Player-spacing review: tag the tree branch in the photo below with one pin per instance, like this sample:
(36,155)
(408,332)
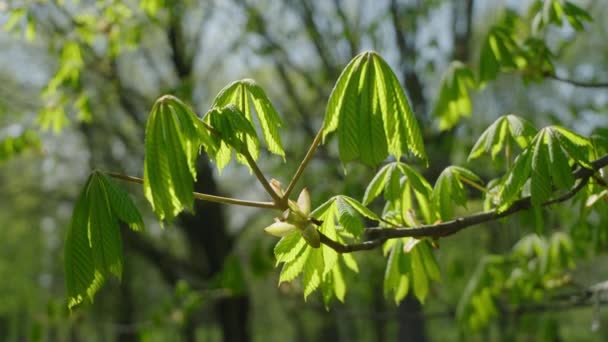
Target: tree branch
(378,234)
(576,83)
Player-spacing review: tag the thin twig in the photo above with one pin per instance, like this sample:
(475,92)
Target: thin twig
(380,234)
(303,164)
(201,196)
(580,84)
(278,201)
(260,176)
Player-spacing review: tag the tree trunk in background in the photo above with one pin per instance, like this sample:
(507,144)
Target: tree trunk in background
(126,330)
(209,245)
(411,321)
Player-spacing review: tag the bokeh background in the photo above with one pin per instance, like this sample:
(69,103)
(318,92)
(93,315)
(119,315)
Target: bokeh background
(77,81)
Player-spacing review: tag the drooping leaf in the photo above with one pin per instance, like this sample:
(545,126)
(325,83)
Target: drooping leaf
(172,142)
(293,268)
(242,94)
(454,100)
(123,206)
(494,138)
(313,271)
(371,113)
(289,247)
(547,163)
(375,187)
(499,52)
(449,190)
(93,246)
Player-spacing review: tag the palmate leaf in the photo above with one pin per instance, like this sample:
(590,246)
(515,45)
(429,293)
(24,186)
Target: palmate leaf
(371,113)
(173,138)
(93,247)
(320,266)
(495,138)
(410,263)
(547,162)
(399,182)
(499,52)
(449,190)
(243,94)
(454,100)
(233,131)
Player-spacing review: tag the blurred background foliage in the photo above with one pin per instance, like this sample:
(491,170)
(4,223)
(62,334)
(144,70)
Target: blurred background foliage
(78,79)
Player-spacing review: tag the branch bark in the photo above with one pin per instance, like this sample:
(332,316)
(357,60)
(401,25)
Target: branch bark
(379,235)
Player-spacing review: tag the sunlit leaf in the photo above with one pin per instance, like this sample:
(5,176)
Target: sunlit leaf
(454,100)
(371,113)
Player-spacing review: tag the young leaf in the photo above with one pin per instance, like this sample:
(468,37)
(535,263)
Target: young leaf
(293,268)
(494,138)
(420,280)
(172,137)
(454,101)
(449,190)
(377,184)
(80,274)
(241,94)
(122,205)
(93,246)
(313,271)
(371,113)
(288,248)
(348,218)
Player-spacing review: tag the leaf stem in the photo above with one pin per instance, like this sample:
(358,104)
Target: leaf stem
(473,184)
(201,196)
(303,164)
(278,201)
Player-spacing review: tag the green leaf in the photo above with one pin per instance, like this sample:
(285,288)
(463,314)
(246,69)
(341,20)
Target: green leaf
(499,52)
(576,16)
(371,113)
(288,248)
(122,205)
(80,274)
(428,258)
(172,142)
(360,208)
(293,268)
(13,146)
(393,279)
(449,190)
(348,218)
(93,246)
(313,271)
(241,94)
(420,280)
(377,184)
(454,100)
(494,138)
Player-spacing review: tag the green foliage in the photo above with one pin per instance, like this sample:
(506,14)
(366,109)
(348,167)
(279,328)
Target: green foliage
(449,190)
(410,264)
(371,113)
(174,136)
(499,52)
(547,163)
(400,184)
(555,11)
(243,94)
(506,131)
(320,266)
(535,266)
(14,146)
(454,100)
(93,246)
